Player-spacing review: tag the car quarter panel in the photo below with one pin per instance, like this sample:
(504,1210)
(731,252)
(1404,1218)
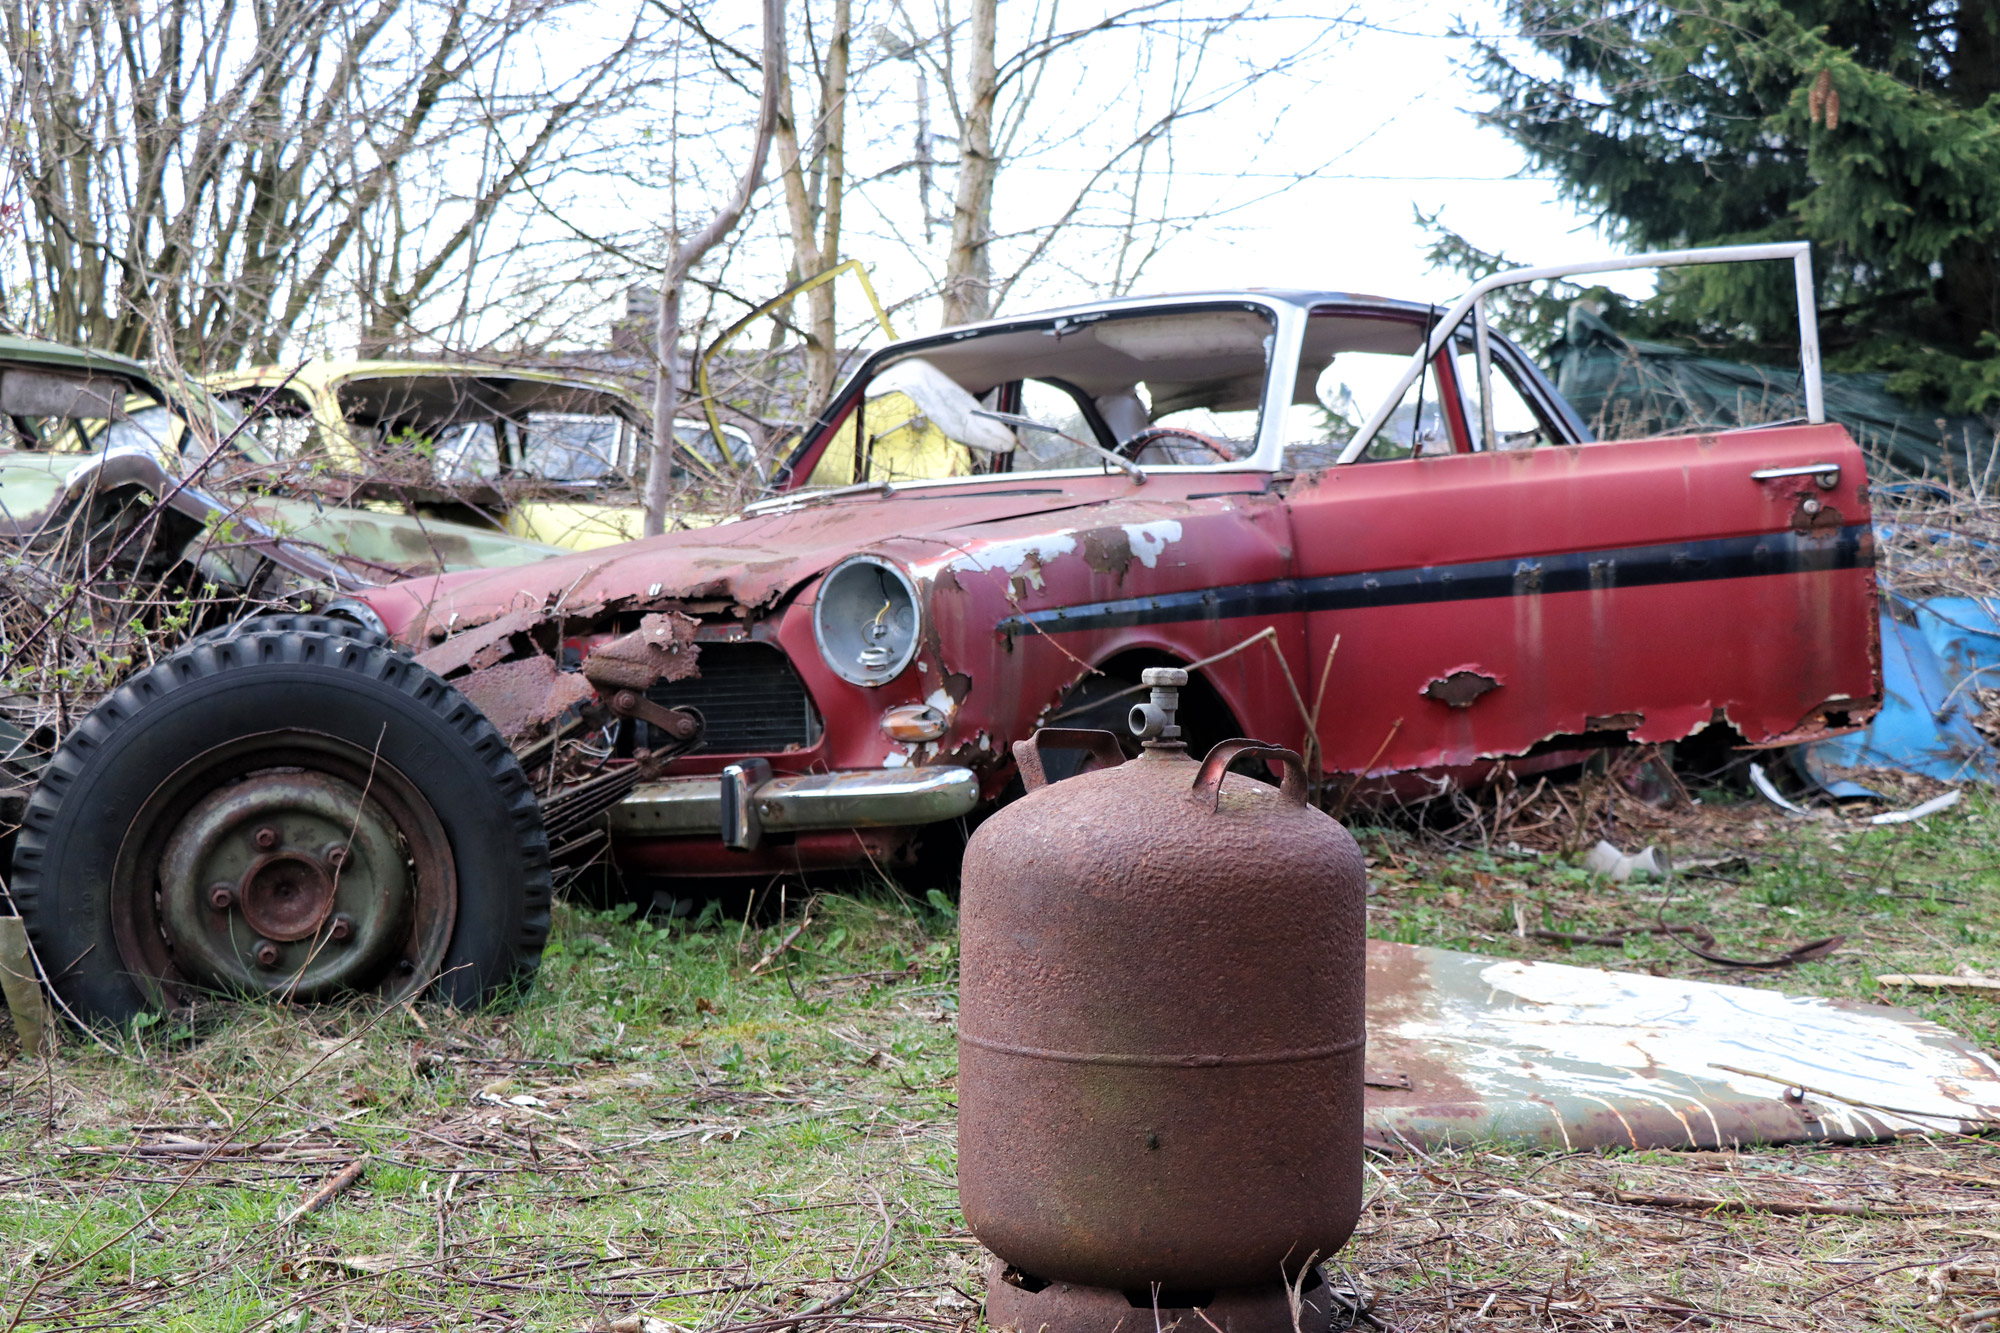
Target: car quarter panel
(1486,603)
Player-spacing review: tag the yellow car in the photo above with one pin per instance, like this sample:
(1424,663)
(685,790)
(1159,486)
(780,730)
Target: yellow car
(540,455)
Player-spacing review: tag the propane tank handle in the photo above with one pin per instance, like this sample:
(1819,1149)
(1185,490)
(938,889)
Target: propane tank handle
(1207,788)
(1028,753)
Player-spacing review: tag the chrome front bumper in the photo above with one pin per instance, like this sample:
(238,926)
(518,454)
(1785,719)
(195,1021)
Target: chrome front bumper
(746,802)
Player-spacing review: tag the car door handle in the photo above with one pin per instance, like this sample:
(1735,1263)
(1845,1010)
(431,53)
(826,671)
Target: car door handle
(1827,474)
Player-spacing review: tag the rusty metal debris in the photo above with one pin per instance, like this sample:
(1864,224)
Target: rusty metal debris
(484,644)
(518,697)
(1160,1030)
(661,649)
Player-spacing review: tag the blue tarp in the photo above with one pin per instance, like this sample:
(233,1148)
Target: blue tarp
(1935,653)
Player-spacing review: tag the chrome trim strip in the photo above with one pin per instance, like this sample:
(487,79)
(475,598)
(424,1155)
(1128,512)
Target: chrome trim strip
(866,798)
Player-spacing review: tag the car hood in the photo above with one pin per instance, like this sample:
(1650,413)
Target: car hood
(751,561)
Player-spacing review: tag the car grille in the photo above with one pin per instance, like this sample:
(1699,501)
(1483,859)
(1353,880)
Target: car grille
(750,698)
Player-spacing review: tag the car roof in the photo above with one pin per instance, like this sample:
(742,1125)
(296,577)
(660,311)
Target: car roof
(1302,297)
(36,351)
(322,371)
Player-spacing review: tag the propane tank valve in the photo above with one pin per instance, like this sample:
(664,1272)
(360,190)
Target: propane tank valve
(1153,721)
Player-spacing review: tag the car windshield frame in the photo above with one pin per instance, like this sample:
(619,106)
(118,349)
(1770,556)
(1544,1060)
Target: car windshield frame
(1280,369)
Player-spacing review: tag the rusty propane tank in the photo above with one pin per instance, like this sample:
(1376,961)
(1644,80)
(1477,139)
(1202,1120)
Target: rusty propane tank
(1160,1021)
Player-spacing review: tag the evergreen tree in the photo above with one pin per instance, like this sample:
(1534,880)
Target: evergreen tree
(1869,127)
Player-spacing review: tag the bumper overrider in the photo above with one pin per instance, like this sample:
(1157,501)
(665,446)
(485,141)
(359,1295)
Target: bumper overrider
(746,802)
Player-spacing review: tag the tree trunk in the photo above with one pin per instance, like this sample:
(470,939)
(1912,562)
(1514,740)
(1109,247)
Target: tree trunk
(968,273)
(813,201)
(667,386)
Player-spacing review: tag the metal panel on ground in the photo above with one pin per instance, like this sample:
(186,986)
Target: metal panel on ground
(1544,1055)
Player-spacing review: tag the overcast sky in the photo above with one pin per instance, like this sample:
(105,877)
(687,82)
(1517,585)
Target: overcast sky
(1381,113)
(1385,113)
(1402,109)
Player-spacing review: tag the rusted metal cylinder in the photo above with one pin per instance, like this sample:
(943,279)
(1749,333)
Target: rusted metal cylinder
(1161,1021)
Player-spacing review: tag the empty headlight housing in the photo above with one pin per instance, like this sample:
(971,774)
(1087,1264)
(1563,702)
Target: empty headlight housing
(866,620)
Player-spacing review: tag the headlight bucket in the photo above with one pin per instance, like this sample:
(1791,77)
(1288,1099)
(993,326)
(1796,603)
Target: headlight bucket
(867,620)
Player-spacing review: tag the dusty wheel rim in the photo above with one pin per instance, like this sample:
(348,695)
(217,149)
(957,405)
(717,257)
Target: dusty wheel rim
(291,864)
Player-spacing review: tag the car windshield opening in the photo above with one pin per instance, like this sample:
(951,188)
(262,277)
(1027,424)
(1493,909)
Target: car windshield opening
(1158,387)
(549,430)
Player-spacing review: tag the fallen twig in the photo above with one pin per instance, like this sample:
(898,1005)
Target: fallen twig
(1613,938)
(319,1197)
(791,937)
(1944,982)
(1783,1207)
(1804,953)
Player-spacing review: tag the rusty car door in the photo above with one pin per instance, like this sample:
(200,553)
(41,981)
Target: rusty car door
(1488,603)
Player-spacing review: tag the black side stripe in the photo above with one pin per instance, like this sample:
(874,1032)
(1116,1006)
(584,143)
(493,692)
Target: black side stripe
(1575,571)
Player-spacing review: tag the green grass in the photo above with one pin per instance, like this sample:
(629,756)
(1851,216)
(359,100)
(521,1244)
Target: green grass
(659,1127)
(689,1125)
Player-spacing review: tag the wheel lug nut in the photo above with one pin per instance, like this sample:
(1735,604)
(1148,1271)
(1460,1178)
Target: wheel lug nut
(341,927)
(266,954)
(222,897)
(336,857)
(266,838)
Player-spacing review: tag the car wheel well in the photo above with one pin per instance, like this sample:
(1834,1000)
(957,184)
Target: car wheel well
(1102,701)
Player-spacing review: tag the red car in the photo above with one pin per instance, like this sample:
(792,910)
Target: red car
(1458,577)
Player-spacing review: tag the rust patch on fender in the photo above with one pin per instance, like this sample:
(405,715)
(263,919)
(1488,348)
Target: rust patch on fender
(1811,514)
(1614,722)
(1108,551)
(1461,688)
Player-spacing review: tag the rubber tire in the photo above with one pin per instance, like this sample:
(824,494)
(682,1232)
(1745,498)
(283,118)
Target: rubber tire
(280,622)
(213,692)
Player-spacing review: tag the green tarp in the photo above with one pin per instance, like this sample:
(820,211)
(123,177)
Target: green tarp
(1625,389)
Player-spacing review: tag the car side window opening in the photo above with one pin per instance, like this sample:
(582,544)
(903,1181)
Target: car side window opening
(49,433)
(1057,405)
(698,439)
(59,409)
(1516,424)
(1348,363)
(1182,385)
(281,422)
(570,447)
